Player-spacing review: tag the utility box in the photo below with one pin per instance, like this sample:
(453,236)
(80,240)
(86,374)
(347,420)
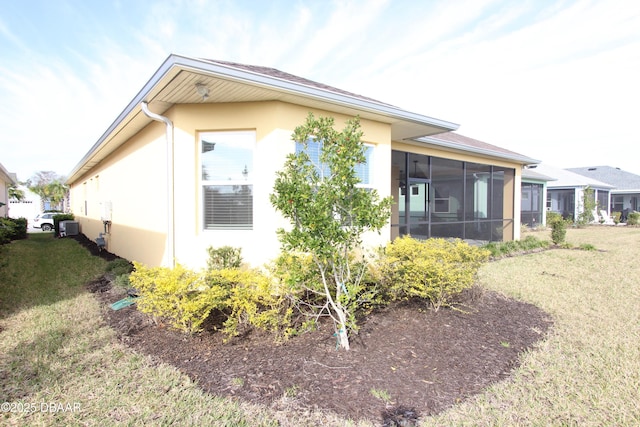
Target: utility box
(105,211)
(69,228)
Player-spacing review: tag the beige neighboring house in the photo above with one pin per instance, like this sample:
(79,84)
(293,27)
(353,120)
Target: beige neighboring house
(6,180)
(192,159)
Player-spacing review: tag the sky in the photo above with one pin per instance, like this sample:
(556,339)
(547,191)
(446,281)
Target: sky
(557,81)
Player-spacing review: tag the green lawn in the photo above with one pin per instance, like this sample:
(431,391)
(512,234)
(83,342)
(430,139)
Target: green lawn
(60,361)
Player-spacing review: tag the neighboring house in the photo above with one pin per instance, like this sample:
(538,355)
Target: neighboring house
(191,161)
(625,195)
(6,180)
(533,211)
(28,208)
(565,193)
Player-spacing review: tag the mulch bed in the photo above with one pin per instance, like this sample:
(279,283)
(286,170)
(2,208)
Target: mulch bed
(424,361)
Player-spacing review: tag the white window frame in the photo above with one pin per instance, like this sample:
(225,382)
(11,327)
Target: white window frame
(244,139)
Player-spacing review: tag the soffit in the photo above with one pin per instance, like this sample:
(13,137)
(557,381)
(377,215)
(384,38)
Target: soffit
(176,84)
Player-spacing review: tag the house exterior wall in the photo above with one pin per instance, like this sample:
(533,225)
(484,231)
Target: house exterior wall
(4,197)
(5,182)
(274,123)
(133,182)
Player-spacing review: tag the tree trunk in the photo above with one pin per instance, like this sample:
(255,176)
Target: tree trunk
(341,333)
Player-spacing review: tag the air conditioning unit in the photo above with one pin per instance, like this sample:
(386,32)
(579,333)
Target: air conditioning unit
(69,228)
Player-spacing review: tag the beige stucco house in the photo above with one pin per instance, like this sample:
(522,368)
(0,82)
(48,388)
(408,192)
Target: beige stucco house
(6,181)
(191,161)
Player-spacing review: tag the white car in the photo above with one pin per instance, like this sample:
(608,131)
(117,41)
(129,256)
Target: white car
(44,221)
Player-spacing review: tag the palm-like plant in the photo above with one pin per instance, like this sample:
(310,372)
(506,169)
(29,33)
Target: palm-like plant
(15,193)
(49,186)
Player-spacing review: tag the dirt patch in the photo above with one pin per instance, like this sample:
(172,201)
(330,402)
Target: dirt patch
(406,361)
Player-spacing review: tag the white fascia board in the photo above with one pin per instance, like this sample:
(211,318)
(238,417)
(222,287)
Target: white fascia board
(298,88)
(177,63)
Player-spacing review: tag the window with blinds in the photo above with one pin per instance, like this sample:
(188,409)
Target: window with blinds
(226,165)
(314,147)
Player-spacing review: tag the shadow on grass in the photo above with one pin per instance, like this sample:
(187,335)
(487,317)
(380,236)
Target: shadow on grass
(42,270)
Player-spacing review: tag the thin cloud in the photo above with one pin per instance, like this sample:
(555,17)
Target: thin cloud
(549,80)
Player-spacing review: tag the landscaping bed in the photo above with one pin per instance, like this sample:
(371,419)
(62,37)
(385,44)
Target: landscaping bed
(405,359)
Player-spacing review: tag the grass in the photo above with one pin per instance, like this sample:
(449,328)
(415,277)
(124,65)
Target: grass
(55,349)
(381,394)
(587,372)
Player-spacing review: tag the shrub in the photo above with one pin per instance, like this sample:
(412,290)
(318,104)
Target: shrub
(12,229)
(558,227)
(300,278)
(299,275)
(183,297)
(553,217)
(4,234)
(251,301)
(433,269)
(224,257)
(633,218)
(120,268)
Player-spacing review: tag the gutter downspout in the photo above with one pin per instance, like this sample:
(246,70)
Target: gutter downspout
(171,250)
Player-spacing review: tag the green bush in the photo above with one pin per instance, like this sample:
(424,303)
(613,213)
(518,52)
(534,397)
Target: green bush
(558,227)
(251,300)
(224,257)
(12,229)
(182,297)
(435,269)
(553,217)
(299,275)
(120,268)
(5,234)
(633,218)
(300,278)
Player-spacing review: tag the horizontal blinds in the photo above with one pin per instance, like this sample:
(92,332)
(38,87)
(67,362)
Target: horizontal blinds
(228,206)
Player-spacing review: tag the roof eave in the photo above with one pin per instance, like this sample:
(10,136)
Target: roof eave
(176,63)
(524,160)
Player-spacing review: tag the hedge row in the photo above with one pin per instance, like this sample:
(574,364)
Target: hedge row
(273,299)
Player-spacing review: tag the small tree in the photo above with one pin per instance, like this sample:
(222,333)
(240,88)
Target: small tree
(329,212)
(589,205)
(50,187)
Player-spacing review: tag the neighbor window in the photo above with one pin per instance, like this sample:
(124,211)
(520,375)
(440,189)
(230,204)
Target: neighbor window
(226,165)
(363,170)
